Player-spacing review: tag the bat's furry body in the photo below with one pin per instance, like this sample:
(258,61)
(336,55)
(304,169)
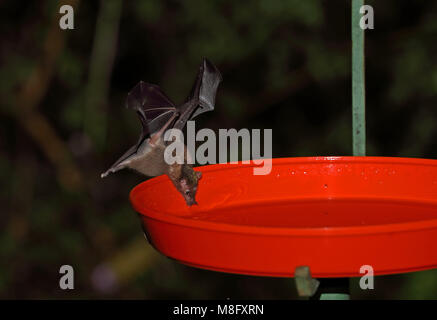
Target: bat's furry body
(148,159)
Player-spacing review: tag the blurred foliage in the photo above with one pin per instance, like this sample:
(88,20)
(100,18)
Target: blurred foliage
(286,66)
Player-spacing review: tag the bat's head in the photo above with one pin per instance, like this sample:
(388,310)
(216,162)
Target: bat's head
(187,184)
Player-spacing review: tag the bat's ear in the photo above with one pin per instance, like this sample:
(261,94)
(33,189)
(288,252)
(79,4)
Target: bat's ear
(198,174)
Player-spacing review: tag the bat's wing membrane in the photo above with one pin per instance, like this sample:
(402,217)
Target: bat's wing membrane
(152,105)
(154,109)
(205,87)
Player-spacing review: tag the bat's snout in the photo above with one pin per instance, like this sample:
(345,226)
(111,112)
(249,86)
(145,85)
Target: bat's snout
(190,202)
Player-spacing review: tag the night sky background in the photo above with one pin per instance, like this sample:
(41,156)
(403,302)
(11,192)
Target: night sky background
(286,65)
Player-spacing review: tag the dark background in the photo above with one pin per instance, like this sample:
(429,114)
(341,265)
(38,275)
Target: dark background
(286,65)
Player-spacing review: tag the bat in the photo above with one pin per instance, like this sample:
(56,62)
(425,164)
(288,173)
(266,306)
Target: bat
(158,114)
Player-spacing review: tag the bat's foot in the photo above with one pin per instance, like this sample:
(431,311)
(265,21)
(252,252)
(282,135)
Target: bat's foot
(105,174)
(111,170)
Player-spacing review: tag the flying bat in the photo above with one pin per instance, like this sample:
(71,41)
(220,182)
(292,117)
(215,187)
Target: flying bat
(158,114)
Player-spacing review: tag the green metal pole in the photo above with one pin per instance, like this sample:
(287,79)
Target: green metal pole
(332,289)
(358,86)
(338,289)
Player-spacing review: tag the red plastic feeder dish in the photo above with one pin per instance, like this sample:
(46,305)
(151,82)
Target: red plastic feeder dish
(333,214)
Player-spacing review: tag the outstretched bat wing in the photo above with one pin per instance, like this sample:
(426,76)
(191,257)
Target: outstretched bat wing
(205,87)
(152,105)
(154,109)
(202,96)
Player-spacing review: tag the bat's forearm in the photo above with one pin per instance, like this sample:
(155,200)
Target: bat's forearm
(186,110)
(157,136)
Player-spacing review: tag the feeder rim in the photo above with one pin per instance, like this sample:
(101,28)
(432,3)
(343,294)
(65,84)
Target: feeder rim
(149,213)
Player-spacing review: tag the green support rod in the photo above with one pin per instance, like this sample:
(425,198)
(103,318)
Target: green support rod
(358,87)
